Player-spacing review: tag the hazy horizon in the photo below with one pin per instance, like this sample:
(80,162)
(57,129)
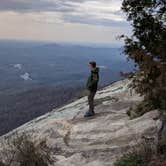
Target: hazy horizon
(86,44)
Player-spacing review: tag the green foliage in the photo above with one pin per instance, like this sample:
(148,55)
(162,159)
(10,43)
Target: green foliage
(131,159)
(139,109)
(140,155)
(147,47)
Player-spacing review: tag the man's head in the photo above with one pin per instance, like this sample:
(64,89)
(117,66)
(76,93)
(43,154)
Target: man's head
(92,65)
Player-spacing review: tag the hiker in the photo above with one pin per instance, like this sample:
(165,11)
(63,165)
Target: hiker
(91,85)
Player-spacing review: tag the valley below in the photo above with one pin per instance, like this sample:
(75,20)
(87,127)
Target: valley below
(36,77)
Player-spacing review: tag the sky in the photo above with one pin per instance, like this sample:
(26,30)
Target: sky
(91,21)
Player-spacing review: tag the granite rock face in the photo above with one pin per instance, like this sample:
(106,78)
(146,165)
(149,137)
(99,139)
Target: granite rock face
(99,140)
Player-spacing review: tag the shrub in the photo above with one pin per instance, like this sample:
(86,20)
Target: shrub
(22,150)
(140,155)
(131,159)
(139,109)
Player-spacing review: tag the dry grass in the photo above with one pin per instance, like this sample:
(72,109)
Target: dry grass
(148,152)
(22,150)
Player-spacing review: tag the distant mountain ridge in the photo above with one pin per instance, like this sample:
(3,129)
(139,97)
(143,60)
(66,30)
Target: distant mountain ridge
(33,69)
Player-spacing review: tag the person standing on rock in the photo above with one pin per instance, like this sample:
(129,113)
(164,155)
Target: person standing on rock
(91,86)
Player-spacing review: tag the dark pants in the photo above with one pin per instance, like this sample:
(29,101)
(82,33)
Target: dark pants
(91,96)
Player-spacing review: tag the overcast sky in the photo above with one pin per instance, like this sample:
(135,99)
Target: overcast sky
(98,21)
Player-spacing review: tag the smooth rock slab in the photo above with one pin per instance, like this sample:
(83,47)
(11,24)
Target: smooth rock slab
(99,140)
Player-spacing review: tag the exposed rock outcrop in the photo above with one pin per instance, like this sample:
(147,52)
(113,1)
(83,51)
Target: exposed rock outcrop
(96,141)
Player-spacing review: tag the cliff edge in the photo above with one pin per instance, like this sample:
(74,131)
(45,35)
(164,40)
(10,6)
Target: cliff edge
(99,140)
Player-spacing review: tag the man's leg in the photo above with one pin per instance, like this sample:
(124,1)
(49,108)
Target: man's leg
(91,96)
(91,101)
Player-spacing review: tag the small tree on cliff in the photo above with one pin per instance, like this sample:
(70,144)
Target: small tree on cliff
(147,47)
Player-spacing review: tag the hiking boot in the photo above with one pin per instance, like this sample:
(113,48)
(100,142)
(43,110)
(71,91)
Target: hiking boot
(89,114)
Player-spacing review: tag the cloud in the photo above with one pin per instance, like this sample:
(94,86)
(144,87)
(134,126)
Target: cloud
(18,66)
(63,20)
(93,12)
(26,77)
(94,21)
(27,5)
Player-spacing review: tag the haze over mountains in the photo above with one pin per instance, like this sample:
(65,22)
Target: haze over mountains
(38,76)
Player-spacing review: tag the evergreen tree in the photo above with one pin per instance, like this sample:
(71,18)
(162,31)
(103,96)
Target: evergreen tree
(147,47)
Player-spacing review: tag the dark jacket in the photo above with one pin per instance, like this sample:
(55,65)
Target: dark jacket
(93,80)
